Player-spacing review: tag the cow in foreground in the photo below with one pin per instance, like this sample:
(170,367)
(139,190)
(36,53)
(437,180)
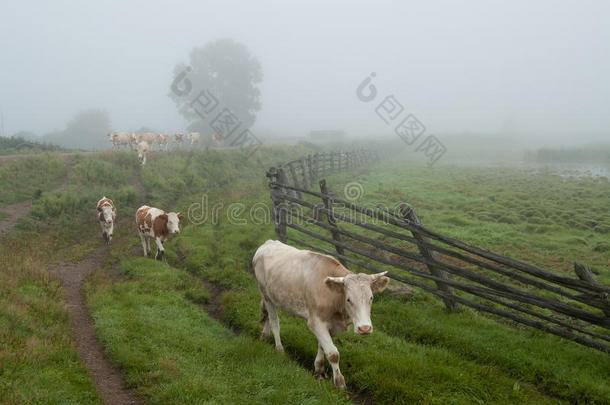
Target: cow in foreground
(156,224)
(318,288)
(106,215)
(143,148)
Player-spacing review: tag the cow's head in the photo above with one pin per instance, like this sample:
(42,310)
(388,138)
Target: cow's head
(142,150)
(173,222)
(358,290)
(105,214)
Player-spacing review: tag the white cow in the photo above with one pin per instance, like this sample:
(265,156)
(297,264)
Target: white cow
(143,148)
(147,137)
(121,138)
(163,140)
(318,288)
(194,137)
(156,224)
(106,216)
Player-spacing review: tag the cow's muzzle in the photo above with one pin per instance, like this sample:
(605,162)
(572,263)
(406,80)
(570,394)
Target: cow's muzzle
(364,329)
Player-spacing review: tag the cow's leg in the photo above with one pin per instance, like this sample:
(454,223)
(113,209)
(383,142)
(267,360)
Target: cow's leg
(330,350)
(144,242)
(265,320)
(274,321)
(320,370)
(110,231)
(160,250)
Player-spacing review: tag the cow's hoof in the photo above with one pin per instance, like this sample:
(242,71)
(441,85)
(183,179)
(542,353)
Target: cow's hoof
(264,336)
(279,349)
(321,374)
(339,382)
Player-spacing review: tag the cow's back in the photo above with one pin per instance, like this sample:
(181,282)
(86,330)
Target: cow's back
(293,279)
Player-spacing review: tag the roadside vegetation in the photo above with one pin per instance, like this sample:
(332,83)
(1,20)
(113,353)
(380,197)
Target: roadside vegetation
(23,179)
(92,178)
(17,145)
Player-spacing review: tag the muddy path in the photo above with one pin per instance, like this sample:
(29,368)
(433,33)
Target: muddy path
(21,209)
(107,378)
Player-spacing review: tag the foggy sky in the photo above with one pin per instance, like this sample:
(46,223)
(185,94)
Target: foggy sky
(489,67)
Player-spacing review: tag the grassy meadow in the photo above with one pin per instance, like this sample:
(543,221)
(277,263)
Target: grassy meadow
(23,179)
(153,320)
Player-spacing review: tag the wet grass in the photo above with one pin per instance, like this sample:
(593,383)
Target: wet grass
(173,353)
(151,322)
(22,179)
(38,360)
(220,252)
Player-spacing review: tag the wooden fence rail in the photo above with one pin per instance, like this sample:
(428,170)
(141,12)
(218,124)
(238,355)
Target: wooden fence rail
(306,171)
(379,239)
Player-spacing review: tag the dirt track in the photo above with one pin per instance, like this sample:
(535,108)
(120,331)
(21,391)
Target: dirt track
(107,378)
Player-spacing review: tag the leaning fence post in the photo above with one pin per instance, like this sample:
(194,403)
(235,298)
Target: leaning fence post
(584,273)
(331,220)
(283,179)
(324,159)
(295,179)
(409,214)
(310,169)
(305,184)
(279,210)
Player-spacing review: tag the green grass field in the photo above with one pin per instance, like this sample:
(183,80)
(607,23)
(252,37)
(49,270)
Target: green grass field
(151,317)
(22,179)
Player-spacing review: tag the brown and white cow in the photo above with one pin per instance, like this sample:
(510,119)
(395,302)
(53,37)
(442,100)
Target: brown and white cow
(194,137)
(318,288)
(143,148)
(179,139)
(156,224)
(106,215)
(163,140)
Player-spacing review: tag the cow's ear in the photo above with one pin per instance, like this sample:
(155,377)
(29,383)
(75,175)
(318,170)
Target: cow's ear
(379,282)
(163,217)
(180,217)
(335,283)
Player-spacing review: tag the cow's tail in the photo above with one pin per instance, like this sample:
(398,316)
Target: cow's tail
(264,313)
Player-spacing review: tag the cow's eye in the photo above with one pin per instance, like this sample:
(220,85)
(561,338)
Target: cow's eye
(349,300)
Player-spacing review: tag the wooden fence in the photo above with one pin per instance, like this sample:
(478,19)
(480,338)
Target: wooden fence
(306,171)
(376,239)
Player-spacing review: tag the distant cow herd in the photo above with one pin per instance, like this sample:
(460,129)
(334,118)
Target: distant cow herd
(303,283)
(144,142)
